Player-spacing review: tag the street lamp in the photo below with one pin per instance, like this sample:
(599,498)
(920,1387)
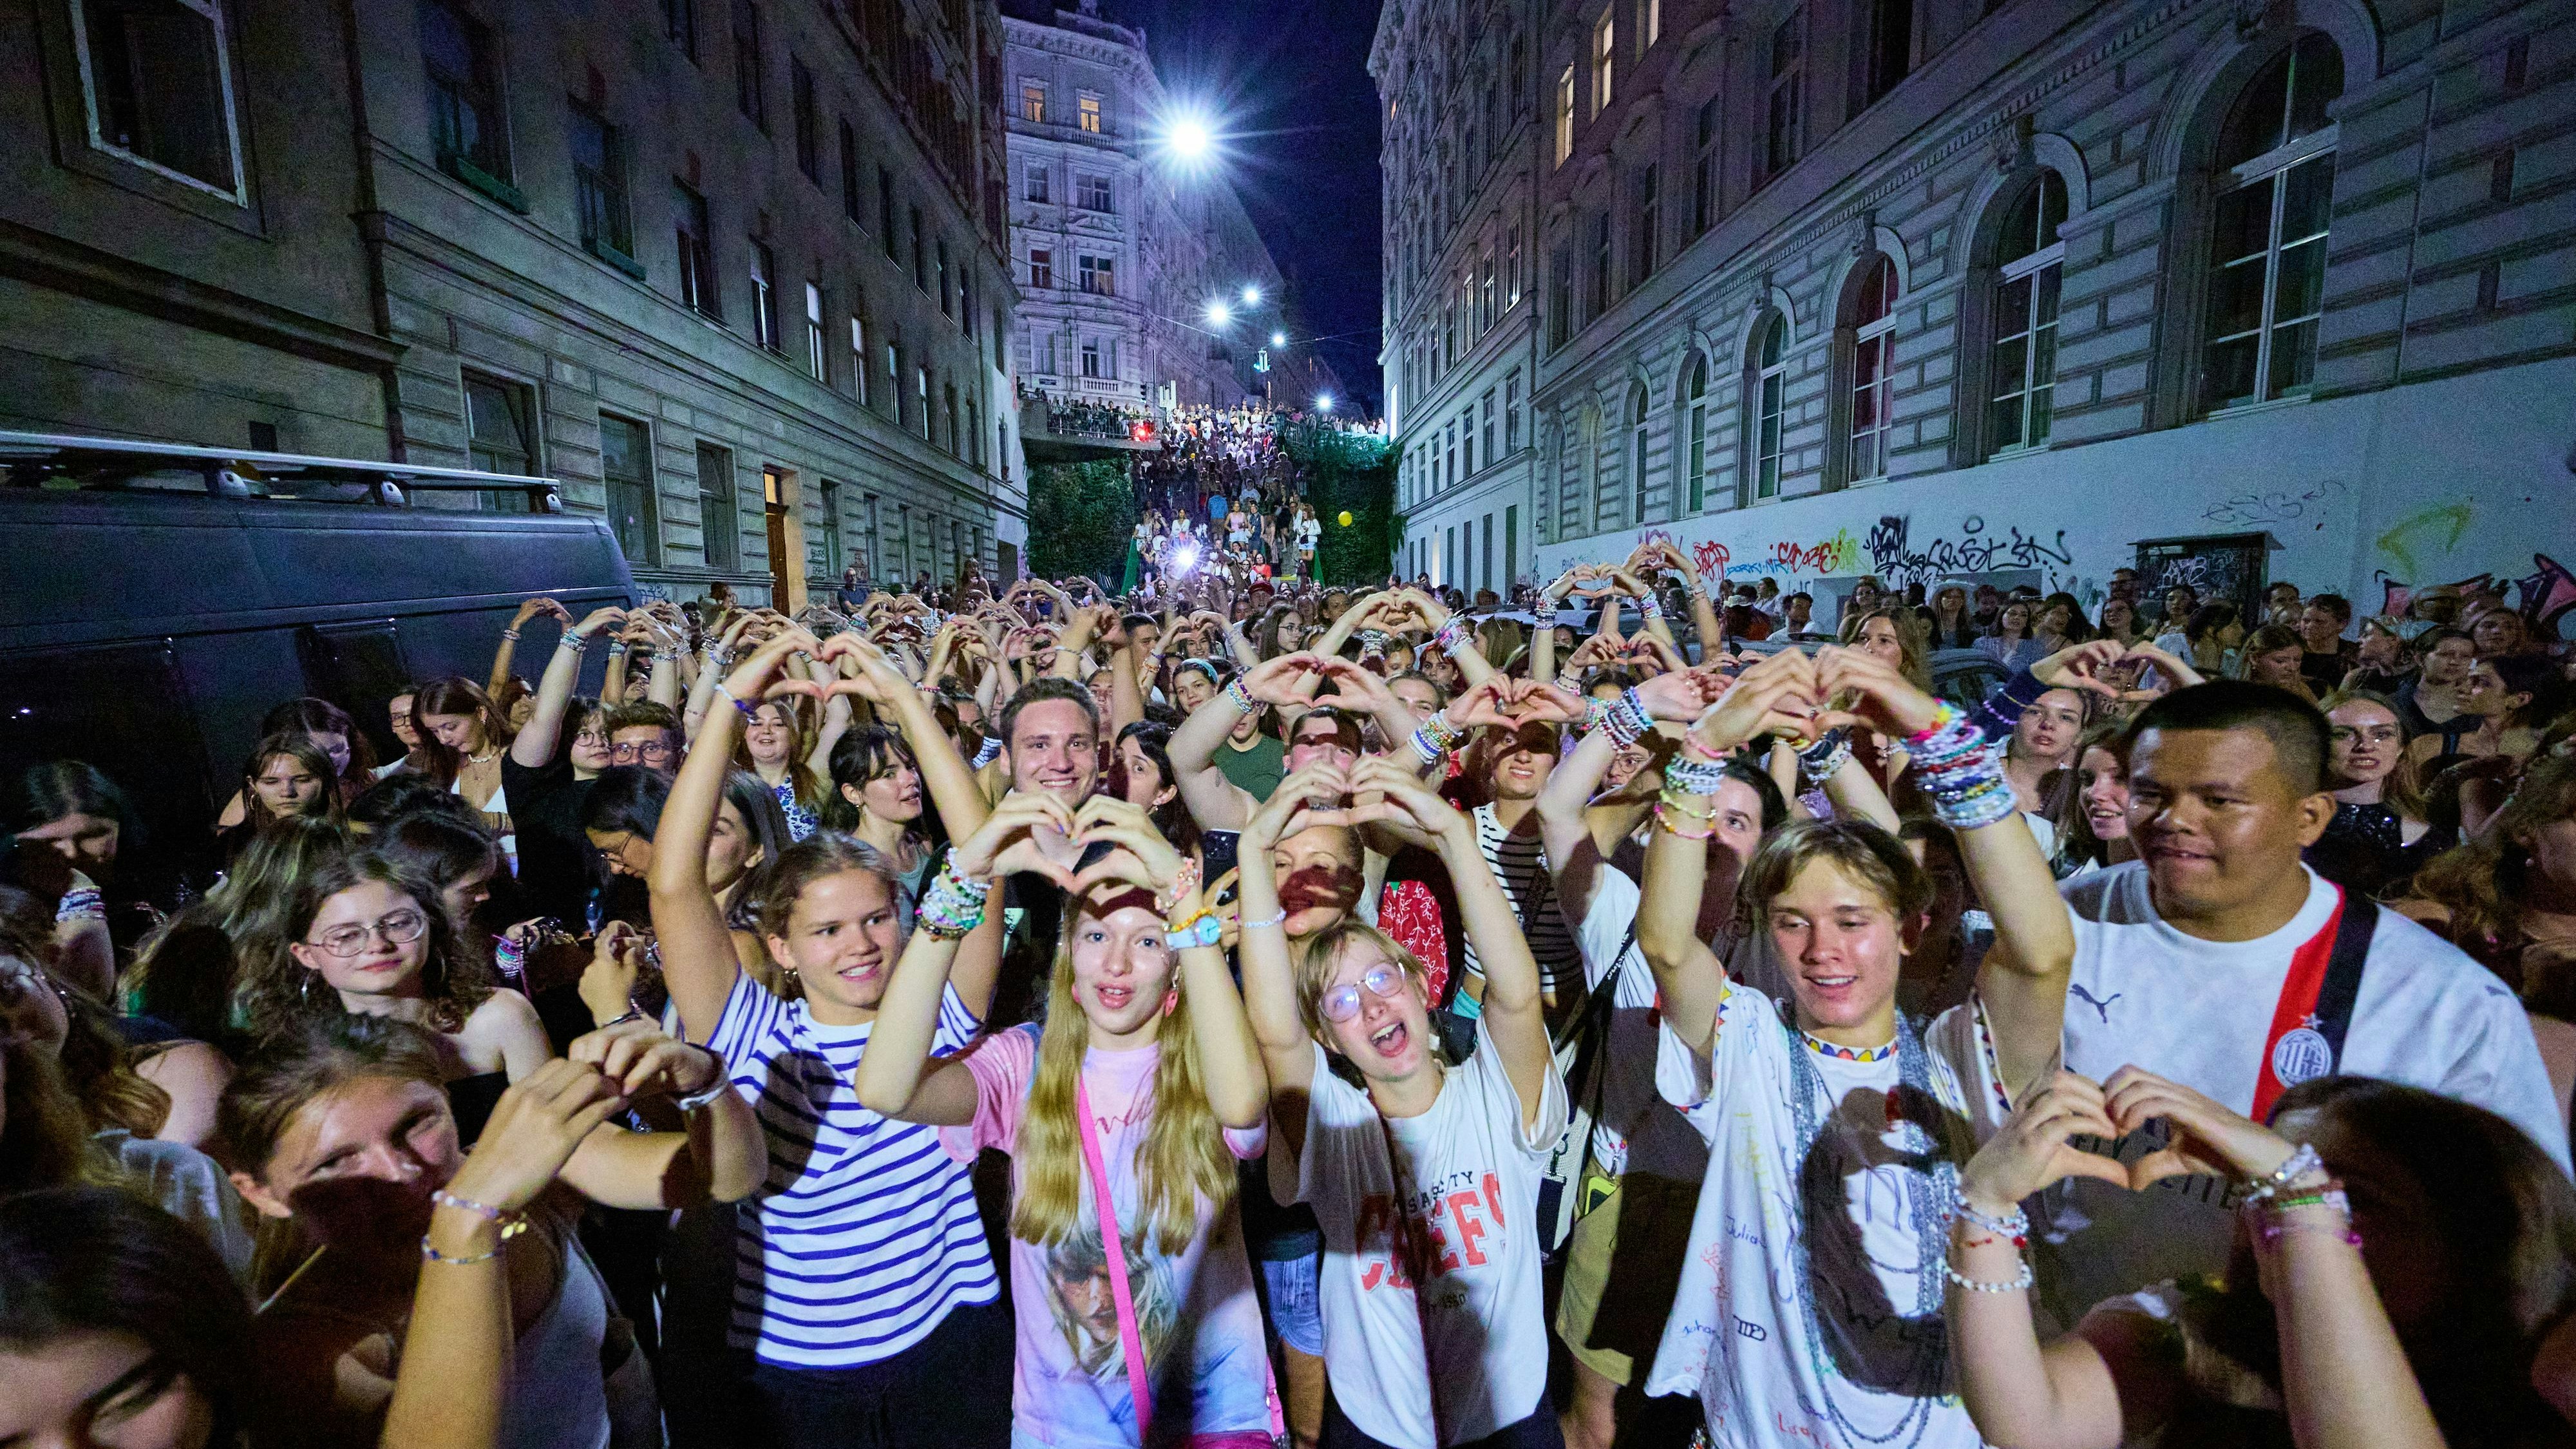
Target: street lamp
(1189,138)
(1218,314)
(1251,296)
(1324,402)
(1278,339)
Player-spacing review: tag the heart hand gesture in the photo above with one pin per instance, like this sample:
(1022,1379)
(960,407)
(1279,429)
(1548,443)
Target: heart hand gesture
(2033,1151)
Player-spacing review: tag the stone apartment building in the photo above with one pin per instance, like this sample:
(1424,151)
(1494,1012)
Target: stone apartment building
(731,270)
(1120,247)
(2029,291)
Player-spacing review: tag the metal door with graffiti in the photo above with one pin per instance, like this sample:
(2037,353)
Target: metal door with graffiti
(2221,566)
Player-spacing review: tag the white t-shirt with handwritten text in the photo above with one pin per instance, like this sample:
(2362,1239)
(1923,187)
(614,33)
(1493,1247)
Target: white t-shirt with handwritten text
(1823,1332)
(1470,1190)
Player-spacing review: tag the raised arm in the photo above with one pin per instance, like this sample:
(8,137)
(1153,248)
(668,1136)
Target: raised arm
(1230,1057)
(1514,1014)
(1216,802)
(1269,981)
(534,746)
(944,773)
(698,961)
(1452,634)
(723,1155)
(502,656)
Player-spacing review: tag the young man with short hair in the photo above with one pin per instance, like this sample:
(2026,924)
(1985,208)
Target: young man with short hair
(2325,655)
(2221,962)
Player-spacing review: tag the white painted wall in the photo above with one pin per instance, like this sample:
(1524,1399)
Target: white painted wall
(2430,483)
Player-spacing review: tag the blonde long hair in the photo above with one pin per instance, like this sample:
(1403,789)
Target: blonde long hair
(1184,1159)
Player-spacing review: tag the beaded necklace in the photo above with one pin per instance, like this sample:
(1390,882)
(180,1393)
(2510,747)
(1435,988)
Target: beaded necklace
(1812,1105)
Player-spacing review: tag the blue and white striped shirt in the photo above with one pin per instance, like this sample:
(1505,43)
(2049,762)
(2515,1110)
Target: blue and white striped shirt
(866,1233)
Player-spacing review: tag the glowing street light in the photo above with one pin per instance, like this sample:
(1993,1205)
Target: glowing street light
(1324,402)
(1218,314)
(1252,296)
(1278,339)
(1189,138)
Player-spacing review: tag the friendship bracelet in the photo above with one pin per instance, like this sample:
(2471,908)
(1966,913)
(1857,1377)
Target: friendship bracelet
(2297,1165)
(1451,634)
(429,1254)
(954,904)
(1427,747)
(510,1223)
(2014,1224)
(2017,1283)
(616,647)
(1693,777)
(1687,804)
(1626,719)
(574,642)
(1279,919)
(1651,606)
(1665,822)
(509,633)
(748,710)
(1240,696)
(1184,881)
(1822,760)
(2272,1232)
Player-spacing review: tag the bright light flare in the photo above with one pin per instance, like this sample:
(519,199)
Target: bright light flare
(1324,403)
(1190,138)
(1252,296)
(1218,314)
(1278,339)
(1185,558)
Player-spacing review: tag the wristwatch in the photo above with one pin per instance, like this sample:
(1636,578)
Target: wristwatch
(1204,930)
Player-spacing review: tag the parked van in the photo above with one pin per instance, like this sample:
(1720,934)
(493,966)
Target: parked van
(156,601)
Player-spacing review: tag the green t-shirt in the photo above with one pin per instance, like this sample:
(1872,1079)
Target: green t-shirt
(1256,770)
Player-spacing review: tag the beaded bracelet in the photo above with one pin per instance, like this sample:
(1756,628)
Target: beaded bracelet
(954,904)
(1664,814)
(1184,881)
(1427,747)
(1595,712)
(1451,634)
(1693,777)
(2018,1281)
(1684,803)
(509,633)
(1626,719)
(510,1223)
(574,642)
(748,710)
(1240,697)
(1444,734)
(1650,606)
(2014,1224)
(1822,760)
(509,958)
(2297,1165)
(616,647)
(1280,918)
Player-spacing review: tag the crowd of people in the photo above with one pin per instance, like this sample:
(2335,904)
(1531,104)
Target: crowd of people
(1249,1013)
(1223,498)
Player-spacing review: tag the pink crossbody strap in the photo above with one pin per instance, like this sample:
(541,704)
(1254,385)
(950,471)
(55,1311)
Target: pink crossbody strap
(1129,1339)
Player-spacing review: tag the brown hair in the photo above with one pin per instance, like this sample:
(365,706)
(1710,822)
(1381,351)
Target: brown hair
(313,1059)
(774,886)
(278,992)
(2486,883)
(1864,851)
(2402,790)
(299,747)
(1909,640)
(45,1139)
(454,695)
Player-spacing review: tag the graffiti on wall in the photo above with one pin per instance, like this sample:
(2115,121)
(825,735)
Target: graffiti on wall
(2435,530)
(2273,506)
(1898,560)
(2543,597)
(1784,558)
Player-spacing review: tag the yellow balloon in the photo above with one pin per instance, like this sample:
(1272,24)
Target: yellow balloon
(1346,518)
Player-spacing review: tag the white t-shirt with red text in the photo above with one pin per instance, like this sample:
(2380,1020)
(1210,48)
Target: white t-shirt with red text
(1470,1180)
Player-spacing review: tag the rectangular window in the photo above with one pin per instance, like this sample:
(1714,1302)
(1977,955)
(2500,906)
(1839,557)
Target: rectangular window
(747,92)
(939,274)
(1091,193)
(158,81)
(1704,176)
(697,270)
(1091,357)
(1041,268)
(1488,293)
(1604,266)
(885,208)
(817,357)
(464,92)
(626,467)
(1489,550)
(764,299)
(809,123)
(948,397)
(1605,56)
(921,398)
(599,183)
(825,547)
(1650,24)
(1564,115)
(859,357)
(1036,190)
(1890,52)
(1646,222)
(1511,547)
(1087,112)
(1467,441)
(680,26)
(1785,135)
(1488,406)
(1099,276)
(850,174)
(1512,411)
(1560,295)
(499,438)
(920,253)
(1033,102)
(718,528)
(1512,268)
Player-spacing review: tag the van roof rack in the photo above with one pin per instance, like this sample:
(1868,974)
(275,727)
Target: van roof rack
(66,462)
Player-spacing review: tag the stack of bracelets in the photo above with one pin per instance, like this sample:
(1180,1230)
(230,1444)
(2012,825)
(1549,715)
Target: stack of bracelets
(1688,786)
(1436,739)
(1649,605)
(2271,1197)
(510,1225)
(2013,1227)
(1625,718)
(1962,773)
(954,904)
(1451,636)
(1240,696)
(1821,761)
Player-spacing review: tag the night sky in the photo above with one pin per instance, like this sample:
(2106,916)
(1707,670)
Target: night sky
(1287,83)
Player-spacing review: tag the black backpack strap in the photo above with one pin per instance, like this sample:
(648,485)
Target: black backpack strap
(2342,986)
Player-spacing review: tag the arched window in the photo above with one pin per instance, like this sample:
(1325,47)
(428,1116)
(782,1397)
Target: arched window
(2267,252)
(1766,377)
(1695,405)
(1873,367)
(1637,453)
(2022,368)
